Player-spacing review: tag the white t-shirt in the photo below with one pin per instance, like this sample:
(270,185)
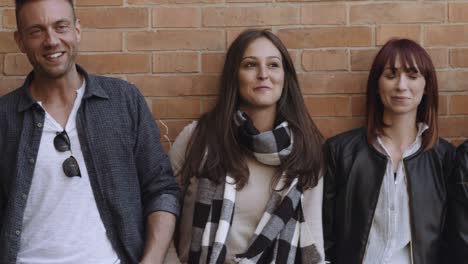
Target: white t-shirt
(61,222)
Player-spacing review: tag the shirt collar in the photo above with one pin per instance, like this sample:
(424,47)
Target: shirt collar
(93,88)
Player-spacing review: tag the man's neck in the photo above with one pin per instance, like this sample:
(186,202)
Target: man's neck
(56,89)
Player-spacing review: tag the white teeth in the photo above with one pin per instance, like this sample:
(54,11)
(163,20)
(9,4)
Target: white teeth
(55,55)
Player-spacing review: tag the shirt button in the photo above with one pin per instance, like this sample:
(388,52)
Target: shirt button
(39,125)
(17,232)
(24,196)
(31,161)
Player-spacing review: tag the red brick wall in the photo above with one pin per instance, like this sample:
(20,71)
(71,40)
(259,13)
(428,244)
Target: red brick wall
(173,50)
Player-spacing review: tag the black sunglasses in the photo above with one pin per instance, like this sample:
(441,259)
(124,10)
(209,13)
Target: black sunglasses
(70,166)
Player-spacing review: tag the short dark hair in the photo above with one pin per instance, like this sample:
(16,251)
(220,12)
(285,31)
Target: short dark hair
(411,55)
(20,3)
(216,131)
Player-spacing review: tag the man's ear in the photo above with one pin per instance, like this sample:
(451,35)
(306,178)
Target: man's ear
(19,41)
(78,29)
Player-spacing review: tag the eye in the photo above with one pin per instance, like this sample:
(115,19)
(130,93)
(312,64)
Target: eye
(61,27)
(274,65)
(249,64)
(35,32)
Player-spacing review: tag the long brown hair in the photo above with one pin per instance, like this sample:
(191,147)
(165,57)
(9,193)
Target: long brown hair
(214,149)
(411,55)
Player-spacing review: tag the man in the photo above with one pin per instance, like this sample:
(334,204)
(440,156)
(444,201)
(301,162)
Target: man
(83,178)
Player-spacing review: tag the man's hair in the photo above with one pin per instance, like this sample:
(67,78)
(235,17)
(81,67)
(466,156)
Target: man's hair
(20,3)
(412,56)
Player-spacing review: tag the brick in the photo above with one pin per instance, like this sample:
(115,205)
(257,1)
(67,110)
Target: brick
(205,85)
(212,62)
(358,105)
(453,126)
(165,85)
(115,63)
(176,17)
(323,83)
(9,19)
(149,2)
(452,80)
(10,84)
(331,126)
(384,13)
(176,40)
(101,41)
(321,14)
(325,60)
(175,62)
(296,58)
(250,16)
(459,57)
(326,37)
(2,61)
(458,12)
(79,3)
(328,106)
(249,1)
(8,44)
(439,57)
(6,3)
(113,17)
(446,35)
(385,33)
(176,107)
(458,104)
(361,60)
(16,64)
(443,105)
(233,33)
(171,128)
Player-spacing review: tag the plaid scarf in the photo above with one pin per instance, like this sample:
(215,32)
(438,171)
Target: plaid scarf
(281,236)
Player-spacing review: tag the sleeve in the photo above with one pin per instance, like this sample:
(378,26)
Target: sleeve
(313,214)
(184,228)
(328,209)
(457,217)
(159,189)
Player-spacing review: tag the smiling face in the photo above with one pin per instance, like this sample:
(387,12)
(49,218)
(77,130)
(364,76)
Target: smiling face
(49,35)
(261,75)
(401,89)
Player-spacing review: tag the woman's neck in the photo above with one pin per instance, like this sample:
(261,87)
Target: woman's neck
(262,118)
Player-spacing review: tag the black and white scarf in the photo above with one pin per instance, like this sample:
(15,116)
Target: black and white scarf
(281,236)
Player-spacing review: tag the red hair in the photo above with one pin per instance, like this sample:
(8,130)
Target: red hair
(412,57)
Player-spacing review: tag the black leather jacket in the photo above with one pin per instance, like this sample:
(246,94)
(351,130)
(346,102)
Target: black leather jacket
(355,170)
(458,209)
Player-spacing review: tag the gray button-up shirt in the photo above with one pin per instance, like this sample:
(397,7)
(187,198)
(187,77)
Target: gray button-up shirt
(129,172)
(390,234)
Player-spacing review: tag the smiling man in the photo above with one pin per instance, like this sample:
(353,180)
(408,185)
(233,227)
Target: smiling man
(83,178)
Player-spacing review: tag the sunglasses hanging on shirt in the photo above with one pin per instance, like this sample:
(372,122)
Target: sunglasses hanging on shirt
(70,165)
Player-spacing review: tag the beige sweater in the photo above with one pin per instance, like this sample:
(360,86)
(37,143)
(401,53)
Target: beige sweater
(250,204)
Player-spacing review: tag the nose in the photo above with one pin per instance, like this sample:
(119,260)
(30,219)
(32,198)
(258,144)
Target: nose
(403,82)
(51,39)
(262,73)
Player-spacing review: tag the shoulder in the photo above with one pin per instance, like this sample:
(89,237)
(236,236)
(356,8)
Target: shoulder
(179,147)
(349,141)
(114,87)
(444,148)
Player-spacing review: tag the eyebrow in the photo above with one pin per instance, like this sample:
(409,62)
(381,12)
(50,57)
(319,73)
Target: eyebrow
(253,57)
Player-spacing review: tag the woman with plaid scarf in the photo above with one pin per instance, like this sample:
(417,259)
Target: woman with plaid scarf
(250,168)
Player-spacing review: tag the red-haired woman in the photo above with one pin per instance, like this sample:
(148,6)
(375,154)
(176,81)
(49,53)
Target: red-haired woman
(385,189)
